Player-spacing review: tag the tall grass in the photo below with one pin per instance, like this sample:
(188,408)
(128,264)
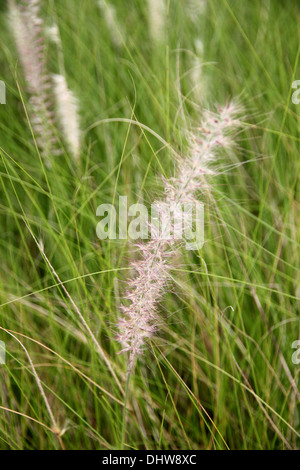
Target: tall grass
(220,373)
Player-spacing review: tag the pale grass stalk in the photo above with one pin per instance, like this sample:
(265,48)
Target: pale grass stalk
(18,413)
(79,372)
(197,75)
(81,317)
(55,429)
(67,103)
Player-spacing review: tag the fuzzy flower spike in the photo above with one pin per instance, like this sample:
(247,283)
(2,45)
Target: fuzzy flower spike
(67,114)
(27,27)
(140,320)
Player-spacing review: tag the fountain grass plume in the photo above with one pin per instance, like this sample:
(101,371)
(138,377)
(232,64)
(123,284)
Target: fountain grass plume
(140,320)
(27,28)
(67,113)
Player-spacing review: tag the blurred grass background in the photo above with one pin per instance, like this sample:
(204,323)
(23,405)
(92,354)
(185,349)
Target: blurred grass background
(220,375)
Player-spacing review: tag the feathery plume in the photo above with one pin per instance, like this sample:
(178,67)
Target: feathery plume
(52,32)
(110,16)
(157,18)
(196,8)
(140,320)
(67,112)
(27,27)
(197,76)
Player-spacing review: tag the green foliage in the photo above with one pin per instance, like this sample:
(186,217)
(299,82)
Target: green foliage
(220,374)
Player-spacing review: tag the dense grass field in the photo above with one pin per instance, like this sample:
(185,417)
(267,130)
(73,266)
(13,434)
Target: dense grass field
(222,372)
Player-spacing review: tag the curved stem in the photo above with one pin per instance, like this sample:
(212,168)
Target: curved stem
(123,429)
